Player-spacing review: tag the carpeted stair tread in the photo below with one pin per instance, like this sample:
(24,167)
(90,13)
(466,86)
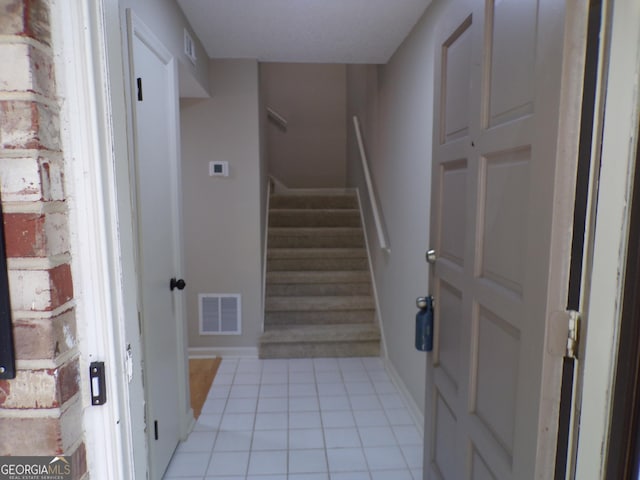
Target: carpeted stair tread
(327,349)
(318,264)
(319,297)
(316,253)
(321,333)
(315,231)
(314,201)
(325,303)
(314,218)
(287,277)
(315,317)
(317,289)
(318,237)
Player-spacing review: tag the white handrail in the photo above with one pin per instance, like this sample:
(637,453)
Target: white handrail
(382,239)
(278,119)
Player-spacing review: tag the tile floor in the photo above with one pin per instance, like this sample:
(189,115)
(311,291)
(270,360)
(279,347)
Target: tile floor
(301,419)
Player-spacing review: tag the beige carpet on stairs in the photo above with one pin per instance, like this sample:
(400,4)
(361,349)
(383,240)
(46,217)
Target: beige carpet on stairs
(202,371)
(319,297)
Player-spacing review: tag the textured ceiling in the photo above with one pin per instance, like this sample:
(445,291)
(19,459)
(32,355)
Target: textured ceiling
(327,31)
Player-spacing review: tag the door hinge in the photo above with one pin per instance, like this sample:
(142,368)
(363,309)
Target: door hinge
(139,83)
(573,335)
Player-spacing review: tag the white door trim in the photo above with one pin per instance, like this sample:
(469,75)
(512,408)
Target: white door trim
(88,56)
(620,137)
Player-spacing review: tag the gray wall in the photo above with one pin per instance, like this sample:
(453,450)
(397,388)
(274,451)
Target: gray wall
(222,216)
(395,103)
(312,97)
(166,20)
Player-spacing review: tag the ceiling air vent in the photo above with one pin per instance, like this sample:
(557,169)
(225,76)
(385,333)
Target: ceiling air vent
(219,314)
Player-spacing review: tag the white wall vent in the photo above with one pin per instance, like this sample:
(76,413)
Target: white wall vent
(219,314)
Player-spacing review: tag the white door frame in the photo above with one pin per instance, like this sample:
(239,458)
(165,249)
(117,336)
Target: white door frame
(89,69)
(620,136)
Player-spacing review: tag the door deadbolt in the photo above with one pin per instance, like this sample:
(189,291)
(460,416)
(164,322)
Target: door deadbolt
(431,256)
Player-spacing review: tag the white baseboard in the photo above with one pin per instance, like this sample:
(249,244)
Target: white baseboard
(414,409)
(212,352)
(190,422)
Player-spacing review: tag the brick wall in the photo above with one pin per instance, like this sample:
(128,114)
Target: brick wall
(41,410)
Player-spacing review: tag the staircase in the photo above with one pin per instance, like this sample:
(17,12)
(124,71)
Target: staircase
(319,299)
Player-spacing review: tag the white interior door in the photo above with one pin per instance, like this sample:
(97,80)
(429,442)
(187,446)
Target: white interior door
(496,204)
(154,99)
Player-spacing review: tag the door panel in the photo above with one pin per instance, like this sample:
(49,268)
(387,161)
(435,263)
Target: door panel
(510,53)
(493,184)
(450,303)
(479,468)
(503,211)
(453,201)
(456,58)
(493,397)
(444,440)
(156,189)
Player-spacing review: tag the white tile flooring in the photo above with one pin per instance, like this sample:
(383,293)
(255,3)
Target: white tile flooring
(301,419)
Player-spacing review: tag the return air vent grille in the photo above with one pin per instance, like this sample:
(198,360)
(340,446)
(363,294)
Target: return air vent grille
(219,314)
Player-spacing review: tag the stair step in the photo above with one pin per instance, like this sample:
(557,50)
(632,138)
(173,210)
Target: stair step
(317,289)
(313,201)
(330,237)
(314,218)
(324,304)
(318,299)
(320,341)
(319,317)
(289,253)
(324,264)
(315,277)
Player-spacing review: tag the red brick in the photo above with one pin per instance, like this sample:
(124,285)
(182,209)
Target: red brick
(26,18)
(28,125)
(11,17)
(30,389)
(5,391)
(61,285)
(35,235)
(40,290)
(78,462)
(25,235)
(46,388)
(44,339)
(68,381)
(30,436)
(42,73)
(37,24)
